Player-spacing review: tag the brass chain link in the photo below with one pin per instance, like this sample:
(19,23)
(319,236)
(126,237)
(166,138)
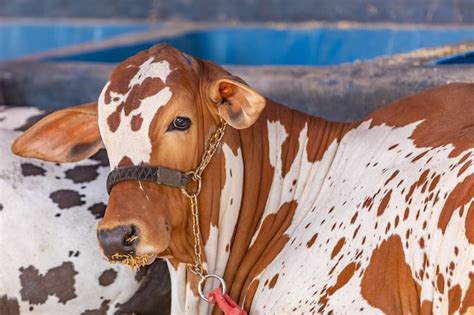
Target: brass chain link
(197,266)
(211,148)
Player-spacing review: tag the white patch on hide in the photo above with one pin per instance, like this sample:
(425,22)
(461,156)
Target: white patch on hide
(136,145)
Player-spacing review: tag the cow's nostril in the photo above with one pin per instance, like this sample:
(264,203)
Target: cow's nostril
(131,237)
(119,240)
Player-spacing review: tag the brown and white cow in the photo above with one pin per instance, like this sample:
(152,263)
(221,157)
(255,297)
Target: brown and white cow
(299,214)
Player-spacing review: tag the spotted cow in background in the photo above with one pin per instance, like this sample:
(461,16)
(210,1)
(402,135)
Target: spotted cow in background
(299,214)
(49,261)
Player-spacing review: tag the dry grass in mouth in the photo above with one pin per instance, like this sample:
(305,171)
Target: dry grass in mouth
(130,239)
(134,262)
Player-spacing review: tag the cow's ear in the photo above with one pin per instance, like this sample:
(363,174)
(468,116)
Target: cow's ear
(237,103)
(67,135)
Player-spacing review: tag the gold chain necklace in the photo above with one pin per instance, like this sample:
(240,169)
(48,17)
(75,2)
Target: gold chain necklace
(196,176)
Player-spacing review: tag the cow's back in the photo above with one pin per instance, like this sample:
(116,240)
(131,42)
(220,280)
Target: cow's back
(390,227)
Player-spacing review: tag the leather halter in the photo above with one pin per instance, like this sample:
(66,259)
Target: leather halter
(159,175)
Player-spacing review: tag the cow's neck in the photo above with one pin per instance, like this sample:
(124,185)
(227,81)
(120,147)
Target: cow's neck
(280,155)
(262,173)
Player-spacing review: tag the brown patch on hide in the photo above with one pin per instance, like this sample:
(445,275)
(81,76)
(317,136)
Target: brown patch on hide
(250,294)
(394,174)
(464,168)
(391,287)
(273,281)
(312,240)
(270,241)
(321,134)
(434,183)
(113,121)
(337,248)
(440,283)
(136,122)
(469,224)
(293,125)
(125,161)
(342,279)
(458,197)
(426,308)
(149,87)
(454,296)
(384,203)
(468,301)
(419,183)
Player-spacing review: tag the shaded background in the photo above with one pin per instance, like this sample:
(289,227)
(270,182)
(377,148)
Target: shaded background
(396,11)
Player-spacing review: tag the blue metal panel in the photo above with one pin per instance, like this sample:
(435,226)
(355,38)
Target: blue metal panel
(19,39)
(464,58)
(312,47)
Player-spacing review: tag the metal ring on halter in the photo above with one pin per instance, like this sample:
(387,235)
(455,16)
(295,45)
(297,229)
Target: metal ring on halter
(198,180)
(203,281)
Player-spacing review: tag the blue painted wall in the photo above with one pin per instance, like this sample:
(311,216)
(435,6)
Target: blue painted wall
(19,38)
(266,46)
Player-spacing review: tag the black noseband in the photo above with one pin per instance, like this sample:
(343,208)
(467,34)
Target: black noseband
(160,175)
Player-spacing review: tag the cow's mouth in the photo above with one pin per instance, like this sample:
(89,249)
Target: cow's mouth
(134,262)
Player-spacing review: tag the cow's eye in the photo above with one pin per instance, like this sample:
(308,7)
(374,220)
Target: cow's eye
(180,123)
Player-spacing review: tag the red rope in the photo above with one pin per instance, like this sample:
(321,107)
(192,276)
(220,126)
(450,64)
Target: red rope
(225,302)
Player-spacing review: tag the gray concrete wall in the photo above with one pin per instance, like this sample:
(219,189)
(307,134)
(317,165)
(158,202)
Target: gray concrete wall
(339,93)
(396,11)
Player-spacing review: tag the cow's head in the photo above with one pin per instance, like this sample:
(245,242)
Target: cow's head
(158,109)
